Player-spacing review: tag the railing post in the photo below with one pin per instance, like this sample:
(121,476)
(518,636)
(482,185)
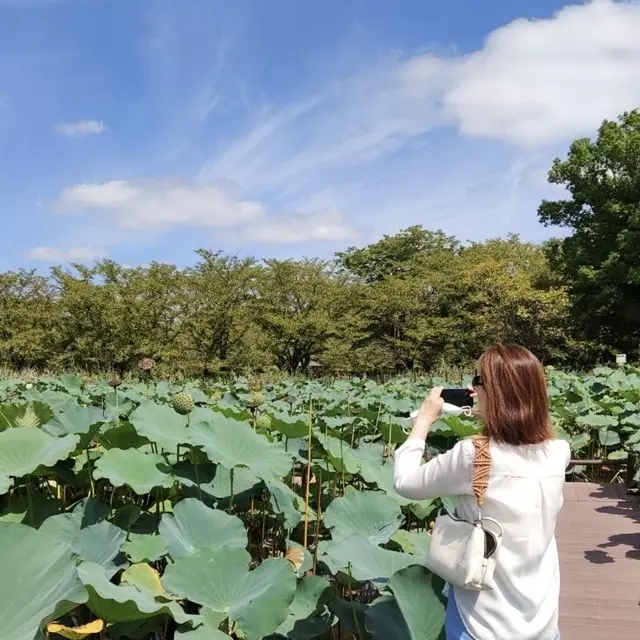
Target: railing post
(632,465)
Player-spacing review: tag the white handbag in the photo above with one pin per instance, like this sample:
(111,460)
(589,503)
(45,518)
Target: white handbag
(464,552)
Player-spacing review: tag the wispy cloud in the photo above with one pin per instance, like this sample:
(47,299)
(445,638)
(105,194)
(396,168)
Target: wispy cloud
(323,226)
(534,83)
(80,128)
(148,205)
(219,134)
(75,254)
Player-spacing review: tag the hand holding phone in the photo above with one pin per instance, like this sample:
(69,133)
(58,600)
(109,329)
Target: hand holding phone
(457,397)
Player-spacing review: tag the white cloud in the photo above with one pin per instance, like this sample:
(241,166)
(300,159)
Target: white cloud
(162,204)
(76,254)
(534,83)
(537,82)
(80,128)
(324,226)
(145,205)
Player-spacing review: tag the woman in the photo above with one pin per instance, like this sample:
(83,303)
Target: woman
(524,494)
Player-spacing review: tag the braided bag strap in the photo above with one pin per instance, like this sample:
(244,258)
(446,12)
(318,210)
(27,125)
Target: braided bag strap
(481,468)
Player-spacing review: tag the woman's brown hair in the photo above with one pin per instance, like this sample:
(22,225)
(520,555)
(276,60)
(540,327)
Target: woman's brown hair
(517,405)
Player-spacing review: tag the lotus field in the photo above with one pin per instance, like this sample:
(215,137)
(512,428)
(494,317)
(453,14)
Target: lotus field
(201,512)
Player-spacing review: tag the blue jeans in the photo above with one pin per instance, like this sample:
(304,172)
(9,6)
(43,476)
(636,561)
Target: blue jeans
(453,626)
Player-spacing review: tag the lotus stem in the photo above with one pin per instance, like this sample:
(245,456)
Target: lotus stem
(231,488)
(306,497)
(92,486)
(353,609)
(326,464)
(342,463)
(115,391)
(264,524)
(197,474)
(318,520)
(30,500)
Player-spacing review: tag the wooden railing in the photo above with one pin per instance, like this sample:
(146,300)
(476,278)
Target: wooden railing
(631,464)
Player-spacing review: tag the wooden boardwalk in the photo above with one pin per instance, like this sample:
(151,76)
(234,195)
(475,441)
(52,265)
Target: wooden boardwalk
(598,535)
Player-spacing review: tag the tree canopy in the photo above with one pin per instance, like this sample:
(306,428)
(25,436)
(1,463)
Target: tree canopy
(435,303)
(413,301)
(600,260)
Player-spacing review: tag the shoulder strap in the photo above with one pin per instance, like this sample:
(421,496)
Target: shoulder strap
(481,468)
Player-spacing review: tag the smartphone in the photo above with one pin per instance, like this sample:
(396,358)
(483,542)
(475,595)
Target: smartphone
(457,397)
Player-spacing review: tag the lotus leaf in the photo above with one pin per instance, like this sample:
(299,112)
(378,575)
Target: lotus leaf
(608,438)
(82,421)
(339,452)
(194,526)
(98,543)
(370,514)
(595,420)
(393,428)
(160,424)
(415,611)
(22,451)
(308,617)
(295,426)
(19,415)
(144,547)
(244,479)
(145,578)
(48,586)
(412,542)
(285,501)
(115,604)
(122,436)
(76,633)
(367,562)
(140,471)
(232,443)
(256,602)
(207,628)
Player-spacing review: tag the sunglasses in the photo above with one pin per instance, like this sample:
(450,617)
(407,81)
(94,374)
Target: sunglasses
(477,381)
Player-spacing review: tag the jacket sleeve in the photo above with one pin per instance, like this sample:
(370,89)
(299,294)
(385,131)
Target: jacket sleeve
(448,474)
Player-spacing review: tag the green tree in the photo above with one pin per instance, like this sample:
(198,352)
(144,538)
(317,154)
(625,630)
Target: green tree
(395,255)
(301,306)
(27,319)
(110,316)
(219,331)
(600,260)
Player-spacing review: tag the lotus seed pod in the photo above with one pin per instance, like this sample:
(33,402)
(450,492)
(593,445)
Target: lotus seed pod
(263,422)
(255,400)
(115,382)
(146,364)
(290,399)
(183,403)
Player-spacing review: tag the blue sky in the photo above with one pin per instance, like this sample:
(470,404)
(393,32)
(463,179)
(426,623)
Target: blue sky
(143,130)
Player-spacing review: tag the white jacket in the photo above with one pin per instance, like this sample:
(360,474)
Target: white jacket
(525,496)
